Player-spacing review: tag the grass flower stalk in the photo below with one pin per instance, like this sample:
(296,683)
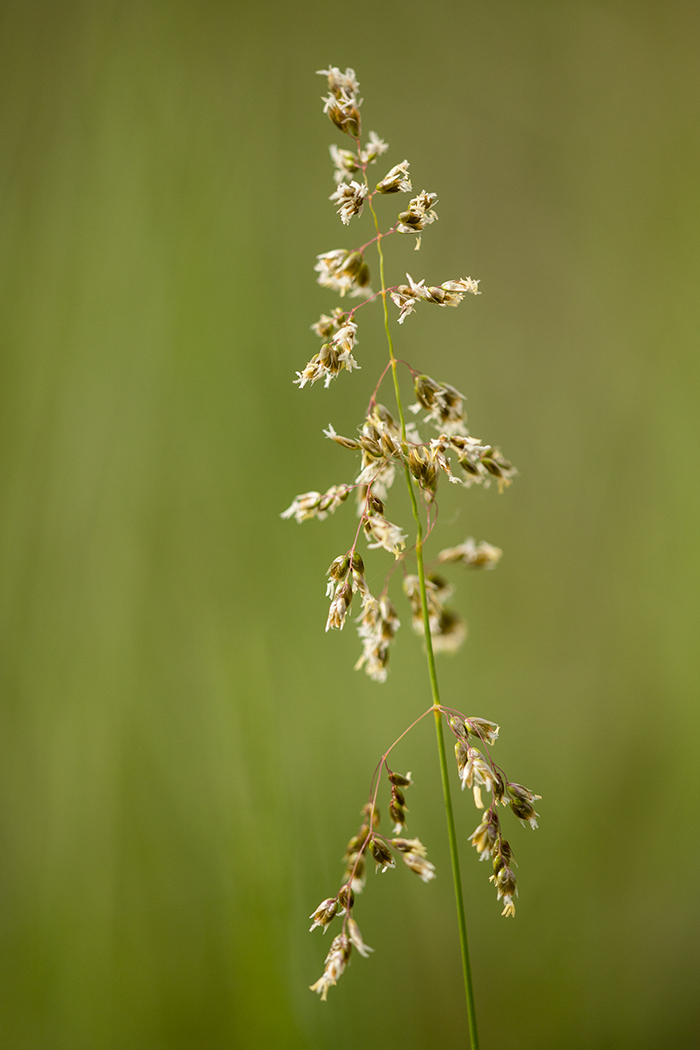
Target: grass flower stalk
(384,445)
(434,686)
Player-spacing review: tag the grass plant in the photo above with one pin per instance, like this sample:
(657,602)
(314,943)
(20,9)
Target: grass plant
(390,445)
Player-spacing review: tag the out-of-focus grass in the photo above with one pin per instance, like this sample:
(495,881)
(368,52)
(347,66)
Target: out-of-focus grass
(183,753)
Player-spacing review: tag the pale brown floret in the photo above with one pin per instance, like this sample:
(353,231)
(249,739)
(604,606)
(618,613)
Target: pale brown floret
(437,590)
(383,533)
(475,772)
(336,961)
(344,115)
(447,629)
(374,148)
(437,448)
(489,843)
(475,555)
(340,606)
(451,293)
(450,634)
(324,914)
(383,857)
(327,326)
(381,444)
(343,271)
(521,799)
(380,475)
(419,213)
(371,816)
(350,443)
(316,504)
(346,899)
(479,727)
(414,855)
(334,355)
(504,881)
(343,102)
(400,779)
(342,85)
(377,628)
(480,462)
(445,404)
(486,836)
(410,846)
(422,465)
(346,577)
(381,435)
(422,867)
(397,180)
(355,862)
(499,467)
(345,162)
(406,296)
(398,808)
(355,872)
(356,939)
(350,198)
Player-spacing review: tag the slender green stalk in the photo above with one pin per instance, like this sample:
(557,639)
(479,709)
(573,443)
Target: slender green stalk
(451,832)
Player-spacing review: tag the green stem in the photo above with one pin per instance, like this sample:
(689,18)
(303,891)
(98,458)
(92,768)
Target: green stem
(434,688)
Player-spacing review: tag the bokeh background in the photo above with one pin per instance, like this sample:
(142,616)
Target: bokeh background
(183,752)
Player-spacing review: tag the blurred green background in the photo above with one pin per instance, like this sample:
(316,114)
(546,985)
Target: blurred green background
(183,752)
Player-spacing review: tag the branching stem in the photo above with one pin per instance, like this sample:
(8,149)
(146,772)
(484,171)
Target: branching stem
(451,832)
